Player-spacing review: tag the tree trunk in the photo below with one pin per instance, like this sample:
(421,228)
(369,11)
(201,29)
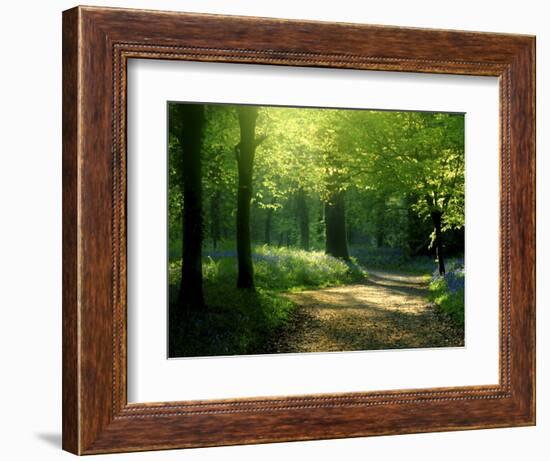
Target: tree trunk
(321,223)
(245,161)
(303,218)
(190,136)
(335,222)
(436,219)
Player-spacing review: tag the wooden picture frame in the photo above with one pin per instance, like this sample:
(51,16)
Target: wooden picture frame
(97,42)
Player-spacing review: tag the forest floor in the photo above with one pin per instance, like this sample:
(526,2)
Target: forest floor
(389,310)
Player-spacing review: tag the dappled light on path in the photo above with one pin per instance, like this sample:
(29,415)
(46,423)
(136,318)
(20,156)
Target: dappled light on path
(388,311)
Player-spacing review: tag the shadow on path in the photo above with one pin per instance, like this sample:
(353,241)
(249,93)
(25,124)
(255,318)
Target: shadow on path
(388,311)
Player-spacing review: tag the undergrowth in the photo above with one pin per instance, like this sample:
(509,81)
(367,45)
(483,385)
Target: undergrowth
(245,321)
(447,291)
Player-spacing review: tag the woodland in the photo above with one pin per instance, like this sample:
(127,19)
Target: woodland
(313,229)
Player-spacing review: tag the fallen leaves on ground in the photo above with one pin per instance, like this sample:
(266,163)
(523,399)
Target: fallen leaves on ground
(387,311)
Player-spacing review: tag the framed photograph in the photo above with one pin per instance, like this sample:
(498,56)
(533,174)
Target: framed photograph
(282,230)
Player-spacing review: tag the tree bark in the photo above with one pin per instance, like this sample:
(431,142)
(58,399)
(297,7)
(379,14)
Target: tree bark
(191,296)
(335,222)
(321,223)
(438,243)
(303,218)
(245,160)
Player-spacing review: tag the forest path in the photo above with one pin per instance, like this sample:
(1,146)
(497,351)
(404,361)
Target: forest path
(389,310)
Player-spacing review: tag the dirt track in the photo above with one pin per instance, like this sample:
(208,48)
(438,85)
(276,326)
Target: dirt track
(387,311)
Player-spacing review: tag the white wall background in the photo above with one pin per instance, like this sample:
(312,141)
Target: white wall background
(30,228)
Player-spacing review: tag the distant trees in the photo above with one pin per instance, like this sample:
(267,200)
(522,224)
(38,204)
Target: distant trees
(305,177)
(421,158)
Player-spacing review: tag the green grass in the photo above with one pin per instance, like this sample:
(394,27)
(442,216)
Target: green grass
(449,301)
(244,321)
(234,322)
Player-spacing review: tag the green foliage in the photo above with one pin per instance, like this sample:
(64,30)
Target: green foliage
(244,321)
(289,268)
(235,322)
(279,269)
(394,169)
(449,301)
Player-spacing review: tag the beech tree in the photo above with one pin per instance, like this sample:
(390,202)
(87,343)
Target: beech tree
(420,156)
(188,123)
(244,152)
(311,178)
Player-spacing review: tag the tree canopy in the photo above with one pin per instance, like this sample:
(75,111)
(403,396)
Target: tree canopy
(320,179)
